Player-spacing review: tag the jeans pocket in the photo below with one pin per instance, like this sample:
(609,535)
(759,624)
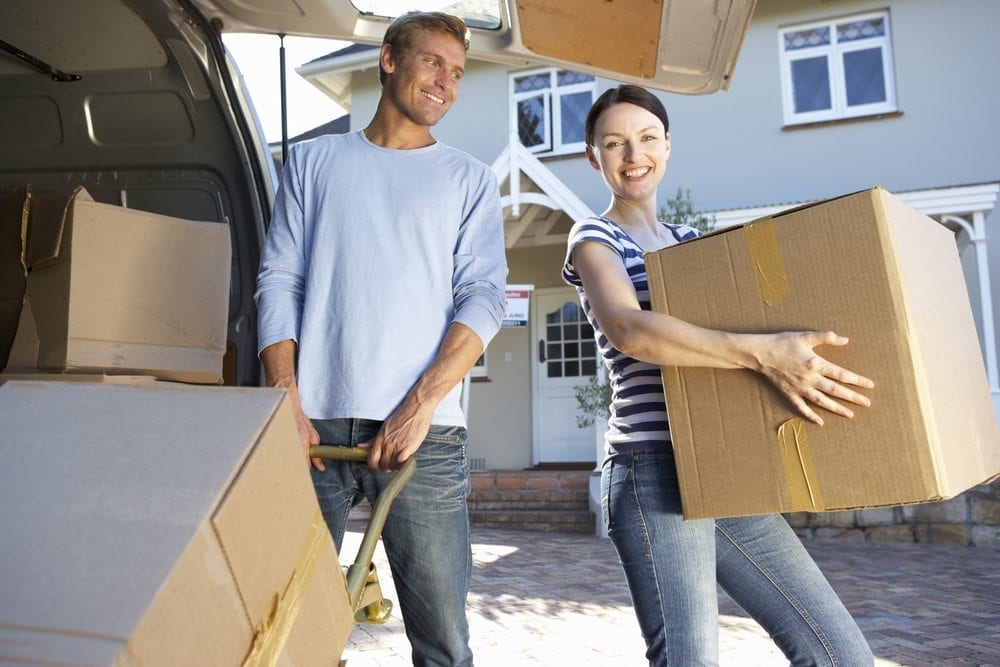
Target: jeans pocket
(447,435)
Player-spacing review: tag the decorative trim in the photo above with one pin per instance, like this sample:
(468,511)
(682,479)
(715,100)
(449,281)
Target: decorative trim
(958,200)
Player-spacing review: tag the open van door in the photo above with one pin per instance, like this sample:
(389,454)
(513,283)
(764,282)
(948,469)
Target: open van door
(684,46)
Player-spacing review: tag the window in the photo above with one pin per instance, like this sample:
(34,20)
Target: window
(837,69)
(549,109)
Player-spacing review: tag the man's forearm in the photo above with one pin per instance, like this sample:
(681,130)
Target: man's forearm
(279,364)
(458,353)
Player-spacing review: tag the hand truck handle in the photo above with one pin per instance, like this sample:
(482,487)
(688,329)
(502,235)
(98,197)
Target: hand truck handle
(358,571)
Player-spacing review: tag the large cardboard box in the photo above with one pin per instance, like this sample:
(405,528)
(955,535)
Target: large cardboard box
(99,288)
(866,266)
(161,524)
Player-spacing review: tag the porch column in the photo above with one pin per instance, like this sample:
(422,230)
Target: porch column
(977,234)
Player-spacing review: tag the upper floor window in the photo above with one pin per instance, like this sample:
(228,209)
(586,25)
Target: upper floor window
(837,69)
(549,108)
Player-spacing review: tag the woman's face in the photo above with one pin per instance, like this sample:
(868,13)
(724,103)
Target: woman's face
(631,150)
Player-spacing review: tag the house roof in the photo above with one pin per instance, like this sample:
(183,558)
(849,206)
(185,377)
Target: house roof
(349,50)
(341,125)
(332,73)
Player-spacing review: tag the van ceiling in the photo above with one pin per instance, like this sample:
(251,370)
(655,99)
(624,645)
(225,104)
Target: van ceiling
(54,31)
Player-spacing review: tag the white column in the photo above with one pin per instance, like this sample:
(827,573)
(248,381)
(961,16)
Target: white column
(986,308)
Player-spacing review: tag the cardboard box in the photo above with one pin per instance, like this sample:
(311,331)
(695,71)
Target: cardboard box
(101,288)
(868,267)
(161,524)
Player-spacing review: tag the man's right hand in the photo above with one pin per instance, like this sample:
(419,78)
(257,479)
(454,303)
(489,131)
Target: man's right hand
(278,360)
(308,435)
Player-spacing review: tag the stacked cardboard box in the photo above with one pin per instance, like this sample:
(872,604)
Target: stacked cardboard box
(866,266)
(153,523)
(90,287)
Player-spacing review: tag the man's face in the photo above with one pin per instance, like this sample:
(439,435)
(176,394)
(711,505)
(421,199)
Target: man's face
(423,81)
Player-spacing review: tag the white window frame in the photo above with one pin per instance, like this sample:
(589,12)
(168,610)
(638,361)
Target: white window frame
(552,132)
(834,53)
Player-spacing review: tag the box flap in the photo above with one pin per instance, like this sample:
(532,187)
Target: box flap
(47,223)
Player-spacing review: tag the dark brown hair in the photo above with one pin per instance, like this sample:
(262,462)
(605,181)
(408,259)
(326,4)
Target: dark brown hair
(628,94)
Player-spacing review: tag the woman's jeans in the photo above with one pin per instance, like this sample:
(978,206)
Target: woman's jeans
(672,567)
(426,534)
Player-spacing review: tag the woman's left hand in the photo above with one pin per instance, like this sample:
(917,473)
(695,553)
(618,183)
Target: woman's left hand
(789,361)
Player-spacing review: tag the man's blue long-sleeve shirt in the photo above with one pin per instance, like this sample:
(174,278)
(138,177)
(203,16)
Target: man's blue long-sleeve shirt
(372,253)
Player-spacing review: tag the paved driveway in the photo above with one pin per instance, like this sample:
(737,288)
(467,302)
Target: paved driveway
(559,599)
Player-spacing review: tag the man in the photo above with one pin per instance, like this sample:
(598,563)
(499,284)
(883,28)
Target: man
(381,282)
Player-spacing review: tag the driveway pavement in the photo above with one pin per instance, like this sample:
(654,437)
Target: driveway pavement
(559,599)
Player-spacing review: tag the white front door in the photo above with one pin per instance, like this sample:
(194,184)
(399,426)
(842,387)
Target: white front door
(564,355)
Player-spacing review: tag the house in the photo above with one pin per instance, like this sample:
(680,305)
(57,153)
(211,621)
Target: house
(828,97)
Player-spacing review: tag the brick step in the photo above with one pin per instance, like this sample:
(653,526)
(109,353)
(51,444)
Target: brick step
(495,499)
(537,500)
(548,521)
(531,480)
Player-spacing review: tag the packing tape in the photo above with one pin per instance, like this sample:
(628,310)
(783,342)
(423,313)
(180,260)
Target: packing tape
(272,633)
(793,443)
(772,284)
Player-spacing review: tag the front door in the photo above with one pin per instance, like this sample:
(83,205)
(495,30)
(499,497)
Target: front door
(564,355)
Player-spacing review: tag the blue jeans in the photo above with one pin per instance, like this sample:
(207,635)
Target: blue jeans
(426,534)
(672,567)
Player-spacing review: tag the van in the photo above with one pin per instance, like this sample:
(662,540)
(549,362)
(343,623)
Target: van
(137,101)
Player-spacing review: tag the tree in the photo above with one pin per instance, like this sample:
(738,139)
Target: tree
(680,211)
(593,398)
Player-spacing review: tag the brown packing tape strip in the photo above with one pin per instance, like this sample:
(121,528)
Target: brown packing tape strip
(793,443)
(272,633)
(762,244)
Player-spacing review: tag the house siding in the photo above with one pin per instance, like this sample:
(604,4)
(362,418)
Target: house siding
(732,151)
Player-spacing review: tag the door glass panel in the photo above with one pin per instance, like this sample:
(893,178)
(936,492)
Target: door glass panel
(570,350)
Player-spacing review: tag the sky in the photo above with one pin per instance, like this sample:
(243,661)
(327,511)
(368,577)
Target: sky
(258,59)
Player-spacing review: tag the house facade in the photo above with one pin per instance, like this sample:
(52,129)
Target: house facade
(829,97)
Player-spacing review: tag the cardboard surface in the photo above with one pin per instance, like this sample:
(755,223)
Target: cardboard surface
(115,290)
(865,266)
(160,524)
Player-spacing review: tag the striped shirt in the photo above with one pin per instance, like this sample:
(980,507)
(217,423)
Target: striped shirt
(638,407)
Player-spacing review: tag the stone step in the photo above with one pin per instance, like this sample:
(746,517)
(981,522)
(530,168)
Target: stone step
(548,521)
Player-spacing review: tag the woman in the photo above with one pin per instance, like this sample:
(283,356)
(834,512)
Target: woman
(672,566)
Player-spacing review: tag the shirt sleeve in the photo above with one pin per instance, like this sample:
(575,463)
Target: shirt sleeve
(480,264)
(280,281)
(589,229)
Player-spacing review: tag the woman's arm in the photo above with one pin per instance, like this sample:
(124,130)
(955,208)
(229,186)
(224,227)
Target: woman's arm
(787,358)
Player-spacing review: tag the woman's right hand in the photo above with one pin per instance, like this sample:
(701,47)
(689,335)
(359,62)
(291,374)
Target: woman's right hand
(789,361)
